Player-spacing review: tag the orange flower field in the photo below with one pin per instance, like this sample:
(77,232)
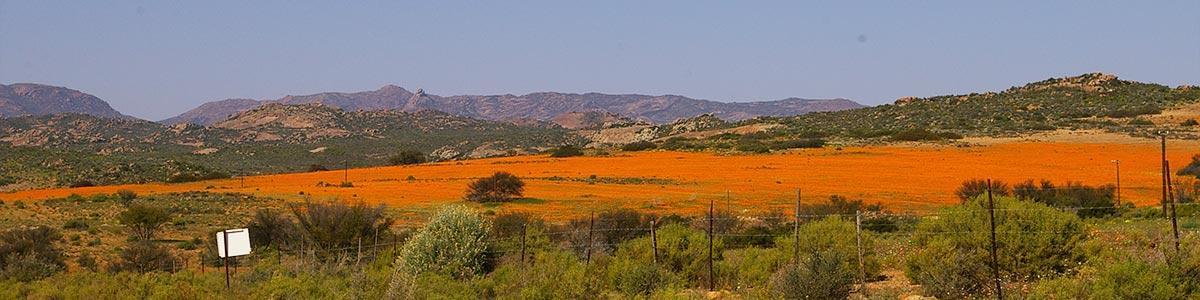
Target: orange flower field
(902,177)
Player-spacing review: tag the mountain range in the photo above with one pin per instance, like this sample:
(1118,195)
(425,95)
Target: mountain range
(544,106)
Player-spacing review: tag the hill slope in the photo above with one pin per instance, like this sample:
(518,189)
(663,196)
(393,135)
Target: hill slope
(538,106)
(28,99)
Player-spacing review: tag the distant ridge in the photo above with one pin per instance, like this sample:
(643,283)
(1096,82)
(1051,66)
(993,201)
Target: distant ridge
(543,106)
(31,99)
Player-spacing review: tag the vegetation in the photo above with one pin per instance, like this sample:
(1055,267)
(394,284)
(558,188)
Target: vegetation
(1192,168)
(1034,241)
(407,157)
(639,146)
(976,187)
(144,220)
(332,225)
(500,187)
(28,254)
(566,151)
(453,243)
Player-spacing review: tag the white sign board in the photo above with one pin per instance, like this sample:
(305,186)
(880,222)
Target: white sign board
(239,242)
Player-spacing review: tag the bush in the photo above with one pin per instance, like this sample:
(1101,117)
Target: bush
(753,147)
(682,251)
(29,253)
(1192,168)
(339,225)
(820,275)
(317,168)
(797,144)
(270,229)
(454,243)
(78,224)
(407,157)
(835,237)
(1095,201)
(500,187)
(566,151)
(1189,123)
(953,250)
(639,146)
(976,187)
(81,183)
(143,257)
(126,196)
(550,274)
(143,220)
(749,270)
(922,134)
(1125,279)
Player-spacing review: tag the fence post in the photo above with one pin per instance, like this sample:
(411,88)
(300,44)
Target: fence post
(711,286)
(225,259)
(654,240)
(1174,217)
(524,227)
(992,220)
(1165,170)
(862,269)
(591,228)
(796,229)
(358,254)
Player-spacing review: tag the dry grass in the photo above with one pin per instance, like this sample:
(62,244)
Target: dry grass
(902,177)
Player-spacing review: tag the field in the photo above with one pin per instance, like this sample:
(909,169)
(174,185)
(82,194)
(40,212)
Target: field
(903,177)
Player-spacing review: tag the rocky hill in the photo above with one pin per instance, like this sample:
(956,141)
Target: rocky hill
(28,99)
(536,106)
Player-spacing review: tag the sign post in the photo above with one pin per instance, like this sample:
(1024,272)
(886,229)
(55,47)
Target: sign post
(232,243)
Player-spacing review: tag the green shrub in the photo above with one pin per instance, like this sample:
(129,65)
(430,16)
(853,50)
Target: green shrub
(500,187)
(1125,279)
(819,275)
(27,267)
(639,146)
(632,277)
(87,262)
(1140,122)
(953,250)
(836,236)
(143,220)
(749,270)
(549,274)
(682,251)
(407,157)
(1189,123)
(126,196)
(566,151)
(453,243)
(753,147)
(77,224)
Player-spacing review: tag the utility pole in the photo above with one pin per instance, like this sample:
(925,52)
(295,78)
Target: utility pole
(992,219)
(346,171)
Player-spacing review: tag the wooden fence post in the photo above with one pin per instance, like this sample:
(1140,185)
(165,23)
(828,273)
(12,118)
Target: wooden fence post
(796,229)
(524,228)
(1174,217)
(992,220)
(862,269)
(591,228)
(711,285)
(654,240)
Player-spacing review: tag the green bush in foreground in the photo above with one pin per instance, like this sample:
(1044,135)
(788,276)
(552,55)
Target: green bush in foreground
(953,250)
(821,275)
(453,243)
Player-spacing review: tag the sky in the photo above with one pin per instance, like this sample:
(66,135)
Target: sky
(156,59)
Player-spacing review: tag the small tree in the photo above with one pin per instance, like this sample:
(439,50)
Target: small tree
(269,229)
(143,220)
(500,187)
(407,157)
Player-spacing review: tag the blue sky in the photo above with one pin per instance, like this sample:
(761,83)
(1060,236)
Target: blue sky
(154,59)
